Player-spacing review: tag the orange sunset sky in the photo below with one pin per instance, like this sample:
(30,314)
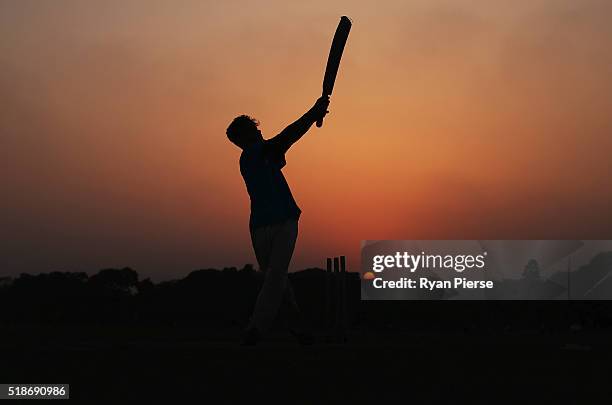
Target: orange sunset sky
(470,119)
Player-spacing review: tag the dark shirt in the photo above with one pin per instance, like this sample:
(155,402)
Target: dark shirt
(271,199)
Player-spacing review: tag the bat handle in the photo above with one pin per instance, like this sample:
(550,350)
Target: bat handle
(320,120)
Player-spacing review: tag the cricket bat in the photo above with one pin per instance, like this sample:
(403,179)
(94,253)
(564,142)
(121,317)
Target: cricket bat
(335,54)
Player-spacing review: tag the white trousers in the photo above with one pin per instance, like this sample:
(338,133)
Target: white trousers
(273,247)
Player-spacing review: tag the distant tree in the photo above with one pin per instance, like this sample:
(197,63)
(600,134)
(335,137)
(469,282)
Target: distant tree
(248,268)
(120,280)
(145,285)
(532,270)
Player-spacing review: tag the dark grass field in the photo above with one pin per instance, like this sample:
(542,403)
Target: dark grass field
(179,340)
(106,364)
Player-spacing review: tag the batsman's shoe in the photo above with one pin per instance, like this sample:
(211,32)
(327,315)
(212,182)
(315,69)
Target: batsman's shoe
(303,338)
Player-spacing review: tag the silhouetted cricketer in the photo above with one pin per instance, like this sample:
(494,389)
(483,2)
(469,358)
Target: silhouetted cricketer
(274,214)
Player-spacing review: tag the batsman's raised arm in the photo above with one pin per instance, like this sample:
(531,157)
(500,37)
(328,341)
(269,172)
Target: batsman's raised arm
(296,130)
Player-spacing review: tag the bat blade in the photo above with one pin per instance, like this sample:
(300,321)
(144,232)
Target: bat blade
(335,55)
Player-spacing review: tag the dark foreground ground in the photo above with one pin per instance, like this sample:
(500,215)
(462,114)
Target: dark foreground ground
(116,338)
(106,364)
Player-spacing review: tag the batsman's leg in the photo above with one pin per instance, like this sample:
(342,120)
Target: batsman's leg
(279,241)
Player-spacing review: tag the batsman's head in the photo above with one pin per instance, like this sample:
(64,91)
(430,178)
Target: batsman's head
(243,131)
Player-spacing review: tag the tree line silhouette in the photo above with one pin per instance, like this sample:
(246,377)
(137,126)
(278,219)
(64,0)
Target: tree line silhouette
(209,296)
(224,299)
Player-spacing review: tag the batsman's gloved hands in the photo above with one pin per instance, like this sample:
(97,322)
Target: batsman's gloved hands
(320,107)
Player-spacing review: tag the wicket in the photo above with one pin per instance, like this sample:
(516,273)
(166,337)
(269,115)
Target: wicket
(336,299)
